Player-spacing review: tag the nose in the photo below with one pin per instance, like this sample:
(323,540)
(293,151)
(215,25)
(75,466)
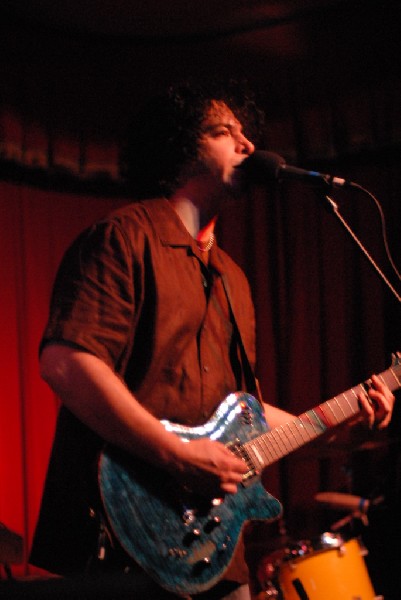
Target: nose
(244,146)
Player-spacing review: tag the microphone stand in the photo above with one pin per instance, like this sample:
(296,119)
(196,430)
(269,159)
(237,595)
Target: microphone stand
(334,207)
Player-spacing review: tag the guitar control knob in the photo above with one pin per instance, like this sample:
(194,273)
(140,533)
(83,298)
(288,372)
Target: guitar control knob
(201,565)
(191,536)
(212,523)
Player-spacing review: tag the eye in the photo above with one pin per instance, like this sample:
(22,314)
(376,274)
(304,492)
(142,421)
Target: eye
(221,131)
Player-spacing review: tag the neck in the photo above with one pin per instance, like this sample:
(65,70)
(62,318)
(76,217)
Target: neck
(188,213)
(197,211)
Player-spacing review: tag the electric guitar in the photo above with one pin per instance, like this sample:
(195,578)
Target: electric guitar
(183,541)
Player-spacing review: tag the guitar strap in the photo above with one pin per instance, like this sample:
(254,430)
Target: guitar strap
(251,383)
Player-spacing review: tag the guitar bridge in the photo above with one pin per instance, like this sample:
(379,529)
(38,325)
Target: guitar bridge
(240,451)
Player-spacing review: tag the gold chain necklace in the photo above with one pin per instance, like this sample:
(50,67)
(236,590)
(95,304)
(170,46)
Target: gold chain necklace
(209,244)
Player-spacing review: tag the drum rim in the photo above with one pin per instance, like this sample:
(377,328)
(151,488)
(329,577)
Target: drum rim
(305,547)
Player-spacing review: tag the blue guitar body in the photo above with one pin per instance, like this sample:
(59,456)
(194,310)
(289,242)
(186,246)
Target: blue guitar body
(184,542)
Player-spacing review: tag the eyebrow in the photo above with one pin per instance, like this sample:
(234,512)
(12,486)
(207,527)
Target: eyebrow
(229,126)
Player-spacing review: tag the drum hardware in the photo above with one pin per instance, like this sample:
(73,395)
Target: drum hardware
(349,502)
(357,505)
(269,591)
(267,574)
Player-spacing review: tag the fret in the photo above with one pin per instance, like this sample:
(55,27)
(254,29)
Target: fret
(383,377)
(296,440)
(329,405)
(285,441)
(338,404)
(293,427)
(352,411)
(386,380)
(272,450)
(323,418)
(292,440)
(272,446)
(318,422)
(356,396)
(257,459)
(268,446)
(275,434)
(311,423)
(265,450)
(302,429)
(312,431)
(278,441)
(397,379)
(363,390)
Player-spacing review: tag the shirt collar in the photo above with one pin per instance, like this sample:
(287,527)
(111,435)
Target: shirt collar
(167,223)
(172,231)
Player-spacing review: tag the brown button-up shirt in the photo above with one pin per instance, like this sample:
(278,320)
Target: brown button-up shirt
(133,290)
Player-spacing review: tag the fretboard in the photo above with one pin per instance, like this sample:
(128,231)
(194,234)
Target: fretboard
(276,443)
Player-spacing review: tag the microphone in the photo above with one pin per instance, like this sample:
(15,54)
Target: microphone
(262,166)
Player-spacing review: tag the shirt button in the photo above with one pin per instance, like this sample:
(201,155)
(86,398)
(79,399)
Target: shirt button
(206,368)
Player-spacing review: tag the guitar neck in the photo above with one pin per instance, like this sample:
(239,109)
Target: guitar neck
(276,443)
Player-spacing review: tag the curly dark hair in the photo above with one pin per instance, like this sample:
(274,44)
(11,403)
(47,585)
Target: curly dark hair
(164,135)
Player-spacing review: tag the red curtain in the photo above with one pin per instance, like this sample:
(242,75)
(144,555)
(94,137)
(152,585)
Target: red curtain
(325,320)
(36,228)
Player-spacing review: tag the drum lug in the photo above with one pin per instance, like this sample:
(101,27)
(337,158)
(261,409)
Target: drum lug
(364,552)
(267,573)
(269,592)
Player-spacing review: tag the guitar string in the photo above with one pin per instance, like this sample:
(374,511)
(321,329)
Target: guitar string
(283,438)
(284,444)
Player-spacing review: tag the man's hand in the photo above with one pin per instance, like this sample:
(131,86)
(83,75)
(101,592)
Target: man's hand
(378,403)
(207,467)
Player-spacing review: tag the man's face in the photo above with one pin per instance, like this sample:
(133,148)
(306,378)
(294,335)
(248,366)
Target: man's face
(222,144)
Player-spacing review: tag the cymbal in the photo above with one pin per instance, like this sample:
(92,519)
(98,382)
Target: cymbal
(11,546)
(332,449)
(375,445)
